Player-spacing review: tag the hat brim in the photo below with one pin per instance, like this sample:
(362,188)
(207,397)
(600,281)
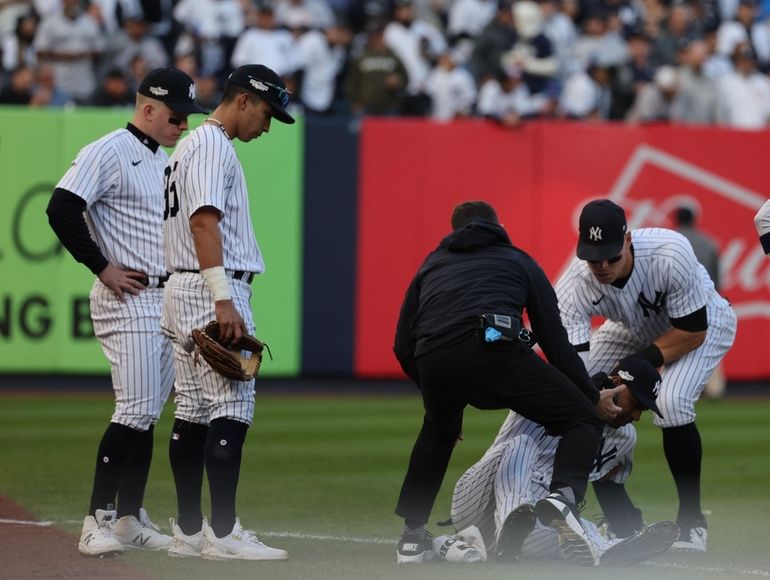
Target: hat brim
(595,253)
(188,108)
(646,401)
(279,113)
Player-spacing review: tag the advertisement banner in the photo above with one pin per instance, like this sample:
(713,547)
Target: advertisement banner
(540,177)
(44,313)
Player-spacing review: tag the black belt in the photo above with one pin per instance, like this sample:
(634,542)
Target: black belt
(154,281)
(242,275)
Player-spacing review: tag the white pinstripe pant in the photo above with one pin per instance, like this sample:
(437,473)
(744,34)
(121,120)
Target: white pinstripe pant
(140,355)
(682,380)
(501,481)
(203,395)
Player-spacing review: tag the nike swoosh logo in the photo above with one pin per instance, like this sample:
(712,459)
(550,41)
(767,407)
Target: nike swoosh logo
(595,302)
(135,163)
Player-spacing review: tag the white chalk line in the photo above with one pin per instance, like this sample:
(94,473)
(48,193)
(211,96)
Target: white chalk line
(388,541)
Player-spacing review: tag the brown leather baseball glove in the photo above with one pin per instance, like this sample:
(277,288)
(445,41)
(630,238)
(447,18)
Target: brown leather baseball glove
(228,361)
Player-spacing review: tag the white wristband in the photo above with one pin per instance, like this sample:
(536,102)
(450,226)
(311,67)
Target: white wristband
(217,281)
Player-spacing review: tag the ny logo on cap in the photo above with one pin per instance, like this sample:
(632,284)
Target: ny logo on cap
(158,91)
(656,389)
(626,376)
(191,91)
(595,233)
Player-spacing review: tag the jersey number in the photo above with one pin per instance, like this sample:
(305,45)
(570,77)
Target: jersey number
(169,191)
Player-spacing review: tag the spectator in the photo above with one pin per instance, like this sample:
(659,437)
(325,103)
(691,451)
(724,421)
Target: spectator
(19,89)
(451,88)
(744,94)
(496,38)
(532,52)
(470,17)
(18,48)
(321,58)
(267,44)
(71,41)
(506,99)
(417,44)
(597,45)
(587,94)
(376,79)
(316,13)
(679,30)
(716,64)
(707,253)
(696,101)
(656,99)
(114,91)
(560,30)
(132,40)
(45,93)
(631,76)
(745,29)
(10,12)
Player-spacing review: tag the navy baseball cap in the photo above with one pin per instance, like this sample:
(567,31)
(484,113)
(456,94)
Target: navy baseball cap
(602,231)
(172,87)
(267,84)
(642,379)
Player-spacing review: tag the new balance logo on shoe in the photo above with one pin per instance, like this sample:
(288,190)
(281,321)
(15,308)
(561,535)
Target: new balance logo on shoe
(141,540)
(87,540)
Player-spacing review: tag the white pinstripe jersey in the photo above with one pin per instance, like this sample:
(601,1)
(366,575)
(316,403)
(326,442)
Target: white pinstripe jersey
(614,457)
(205,171)
(121,181)
(667,281)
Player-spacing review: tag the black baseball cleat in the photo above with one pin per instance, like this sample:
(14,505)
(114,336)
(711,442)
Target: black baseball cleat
(651,540)
(517,526)
(555,511)
(414,547)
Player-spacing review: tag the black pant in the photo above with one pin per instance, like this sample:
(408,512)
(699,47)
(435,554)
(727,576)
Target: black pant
(495,377)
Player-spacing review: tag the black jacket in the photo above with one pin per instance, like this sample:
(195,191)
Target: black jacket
(474,270)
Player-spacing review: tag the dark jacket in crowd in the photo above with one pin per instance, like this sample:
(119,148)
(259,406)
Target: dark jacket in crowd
(476,270)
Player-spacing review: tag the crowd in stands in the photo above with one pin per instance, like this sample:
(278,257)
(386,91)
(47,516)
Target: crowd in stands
(639,61)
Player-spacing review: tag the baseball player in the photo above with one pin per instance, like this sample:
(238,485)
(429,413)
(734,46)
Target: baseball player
(762,225)
(660,305)
(115,188)
(498,493)
(213,256)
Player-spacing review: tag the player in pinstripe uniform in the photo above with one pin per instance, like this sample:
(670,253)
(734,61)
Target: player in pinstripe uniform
(498,492)
(762,225)
(213,256)
(660,304)
(115,188)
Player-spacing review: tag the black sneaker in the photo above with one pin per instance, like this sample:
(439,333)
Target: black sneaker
(414,547)
(650,541)
(518,525)
(556,512)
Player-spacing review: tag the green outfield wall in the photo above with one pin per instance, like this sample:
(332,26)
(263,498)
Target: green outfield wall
(44,315)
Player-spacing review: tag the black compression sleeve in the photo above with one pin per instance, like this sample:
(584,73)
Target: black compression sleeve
(65,214)
(694,322)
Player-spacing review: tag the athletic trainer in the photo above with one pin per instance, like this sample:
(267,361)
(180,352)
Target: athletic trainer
(659,304)
(460,339)
(116,182)
(213,256)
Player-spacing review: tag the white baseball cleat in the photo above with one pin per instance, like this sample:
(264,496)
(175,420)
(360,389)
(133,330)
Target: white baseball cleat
(184,546)
(556,512)
(97,537)
(146,521)
(692,538)
(457,549)
(135,535)
(239,544)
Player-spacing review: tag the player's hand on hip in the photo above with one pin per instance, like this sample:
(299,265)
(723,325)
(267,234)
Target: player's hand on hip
(122,281)
(231,325)
(606,407)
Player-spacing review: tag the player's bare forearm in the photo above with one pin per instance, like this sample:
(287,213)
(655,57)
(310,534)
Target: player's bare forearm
(204,225)
(676,343)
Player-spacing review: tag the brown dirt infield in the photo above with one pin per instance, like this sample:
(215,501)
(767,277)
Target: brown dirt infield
(29,551)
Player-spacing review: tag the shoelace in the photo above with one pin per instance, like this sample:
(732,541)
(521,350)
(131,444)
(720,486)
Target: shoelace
(249,536)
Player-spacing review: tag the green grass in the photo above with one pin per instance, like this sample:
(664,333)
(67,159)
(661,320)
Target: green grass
(332,466)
